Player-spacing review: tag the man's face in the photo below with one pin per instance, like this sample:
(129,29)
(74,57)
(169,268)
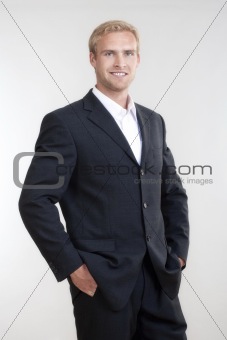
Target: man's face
(115,62)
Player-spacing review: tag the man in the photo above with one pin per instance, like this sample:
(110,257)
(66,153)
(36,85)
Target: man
(123,203)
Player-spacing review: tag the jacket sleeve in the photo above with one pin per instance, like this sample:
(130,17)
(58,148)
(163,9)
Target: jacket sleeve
(174,205)
(43,189)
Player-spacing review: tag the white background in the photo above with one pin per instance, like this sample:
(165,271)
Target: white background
(194,109)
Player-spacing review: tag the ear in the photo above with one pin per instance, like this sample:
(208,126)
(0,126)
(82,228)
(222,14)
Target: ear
(92,59)
(138,59)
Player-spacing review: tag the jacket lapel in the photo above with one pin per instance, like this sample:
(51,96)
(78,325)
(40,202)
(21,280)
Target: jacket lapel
(144,125)
(103,119)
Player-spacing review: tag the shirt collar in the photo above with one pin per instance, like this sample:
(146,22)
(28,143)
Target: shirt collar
(117,111)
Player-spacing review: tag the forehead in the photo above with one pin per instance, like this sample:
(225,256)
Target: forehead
(117,40)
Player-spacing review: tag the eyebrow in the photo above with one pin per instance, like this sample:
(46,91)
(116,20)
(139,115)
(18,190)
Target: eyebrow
(114,51)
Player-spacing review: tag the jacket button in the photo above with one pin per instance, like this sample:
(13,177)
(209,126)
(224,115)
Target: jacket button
(145,205)
(148,238)
(141,172)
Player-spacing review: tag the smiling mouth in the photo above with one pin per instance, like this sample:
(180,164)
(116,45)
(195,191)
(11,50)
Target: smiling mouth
(119,74)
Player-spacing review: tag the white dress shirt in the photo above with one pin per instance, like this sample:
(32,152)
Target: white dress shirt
(126,119)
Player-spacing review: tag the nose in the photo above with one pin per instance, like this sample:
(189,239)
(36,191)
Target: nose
(119,61)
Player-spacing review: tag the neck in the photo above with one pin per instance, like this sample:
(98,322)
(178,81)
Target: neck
(121,97)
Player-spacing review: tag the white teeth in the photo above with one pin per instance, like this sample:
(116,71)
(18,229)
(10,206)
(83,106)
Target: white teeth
(119,74)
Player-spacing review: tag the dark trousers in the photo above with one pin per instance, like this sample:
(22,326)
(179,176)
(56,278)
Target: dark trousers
(149,314)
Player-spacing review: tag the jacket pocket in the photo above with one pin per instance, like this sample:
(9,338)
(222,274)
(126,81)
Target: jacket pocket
(172,259)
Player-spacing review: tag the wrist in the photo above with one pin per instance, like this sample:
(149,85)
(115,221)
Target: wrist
(182,262)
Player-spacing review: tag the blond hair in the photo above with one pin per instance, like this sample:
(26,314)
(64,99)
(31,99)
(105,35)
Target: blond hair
(110,27)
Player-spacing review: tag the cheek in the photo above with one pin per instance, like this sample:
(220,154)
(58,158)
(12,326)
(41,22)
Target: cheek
(135,66)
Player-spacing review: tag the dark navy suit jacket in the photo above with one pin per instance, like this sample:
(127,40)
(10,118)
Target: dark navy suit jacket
(115,209)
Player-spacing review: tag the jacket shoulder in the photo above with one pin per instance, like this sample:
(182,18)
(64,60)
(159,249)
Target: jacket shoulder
(67,110)
(147,110)
(73,109)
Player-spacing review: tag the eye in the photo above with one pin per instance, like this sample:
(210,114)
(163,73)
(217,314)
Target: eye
(108,53)
(129,53)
